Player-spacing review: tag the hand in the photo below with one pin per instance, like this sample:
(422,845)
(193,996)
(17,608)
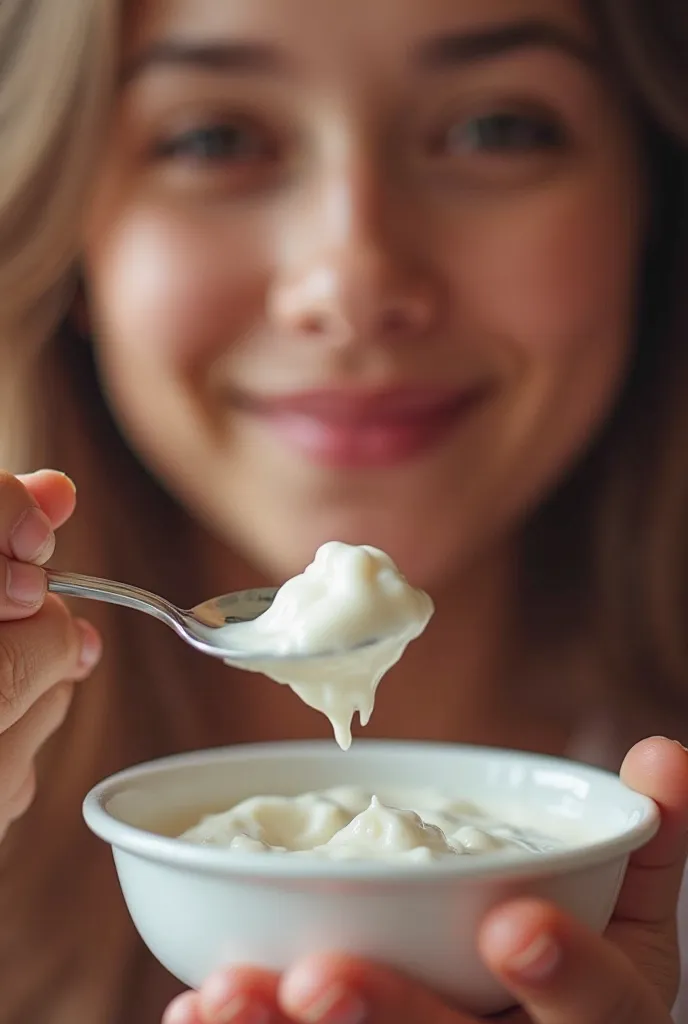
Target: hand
(557,971)
(43,650)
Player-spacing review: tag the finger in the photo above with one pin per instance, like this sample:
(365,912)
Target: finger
(659,769)
(242,995)
(23,587)
(23,798)
(19,804)
(183,1010)
(54,492)
(20,744)
(39,652)
(26,532)
(331,989)
(561,973)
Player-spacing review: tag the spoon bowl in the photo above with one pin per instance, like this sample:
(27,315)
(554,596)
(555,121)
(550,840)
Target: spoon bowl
(203,627)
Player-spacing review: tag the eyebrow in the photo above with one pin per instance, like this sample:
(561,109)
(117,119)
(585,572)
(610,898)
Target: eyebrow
(452,50)
(442,52)
(225,57)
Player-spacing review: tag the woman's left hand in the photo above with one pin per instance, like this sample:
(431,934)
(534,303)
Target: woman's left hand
(558,971)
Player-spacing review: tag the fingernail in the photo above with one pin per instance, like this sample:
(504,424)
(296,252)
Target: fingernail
(67,478)
(537,961)
(679,744)
(32,539)
(223,1005)
(50,469)
(335,1006)
(240,1010)
(25,584)
(91,645)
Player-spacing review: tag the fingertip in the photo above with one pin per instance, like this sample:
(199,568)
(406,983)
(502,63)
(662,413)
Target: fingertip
(90,647)
(303,984)
(520,938)
(654,755)
(317,971)
(658,768)
(55,493)
(234,990)
(331,987)
(183,1010)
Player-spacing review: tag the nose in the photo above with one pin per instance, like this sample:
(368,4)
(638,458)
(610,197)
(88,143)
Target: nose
(353,277)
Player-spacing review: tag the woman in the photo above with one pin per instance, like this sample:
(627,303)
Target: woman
(275,272)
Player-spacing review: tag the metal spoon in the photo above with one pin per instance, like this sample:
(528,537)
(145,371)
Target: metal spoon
(198,626)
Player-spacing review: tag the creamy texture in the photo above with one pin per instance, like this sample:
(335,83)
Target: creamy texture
(354,613)
(348,597)
(350,823)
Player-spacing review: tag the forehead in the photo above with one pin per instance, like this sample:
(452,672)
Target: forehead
(327,32)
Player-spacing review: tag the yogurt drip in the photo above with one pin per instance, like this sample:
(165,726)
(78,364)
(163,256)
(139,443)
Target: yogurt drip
(347,597)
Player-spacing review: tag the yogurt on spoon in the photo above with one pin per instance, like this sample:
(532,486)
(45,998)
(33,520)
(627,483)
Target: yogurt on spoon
(348,597)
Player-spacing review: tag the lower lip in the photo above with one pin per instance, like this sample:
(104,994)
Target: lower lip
(386,442)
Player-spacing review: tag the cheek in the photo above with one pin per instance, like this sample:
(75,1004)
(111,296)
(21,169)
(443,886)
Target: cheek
(165,290)
(547,288)
(556,277)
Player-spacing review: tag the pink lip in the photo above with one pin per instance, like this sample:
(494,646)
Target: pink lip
(359,429)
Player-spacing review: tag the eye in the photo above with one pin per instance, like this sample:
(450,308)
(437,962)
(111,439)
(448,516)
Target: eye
(236,141)
(505,133)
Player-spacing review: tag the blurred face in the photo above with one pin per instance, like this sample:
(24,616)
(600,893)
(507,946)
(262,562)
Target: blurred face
(363,270)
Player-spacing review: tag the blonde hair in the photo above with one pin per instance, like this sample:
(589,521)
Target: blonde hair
(613,540)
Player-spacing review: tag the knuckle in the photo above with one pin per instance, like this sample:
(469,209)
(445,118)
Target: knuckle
(13,494)
(16,672)
(8,481)
(656,956)
(623,1005)
(47,652)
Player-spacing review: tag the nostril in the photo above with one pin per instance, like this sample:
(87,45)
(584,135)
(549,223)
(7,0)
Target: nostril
(313,323)
(393,321)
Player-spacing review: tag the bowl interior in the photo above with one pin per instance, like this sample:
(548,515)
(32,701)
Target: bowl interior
(578,804)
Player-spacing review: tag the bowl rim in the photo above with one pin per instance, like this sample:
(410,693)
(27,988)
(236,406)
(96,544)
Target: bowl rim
(247,867)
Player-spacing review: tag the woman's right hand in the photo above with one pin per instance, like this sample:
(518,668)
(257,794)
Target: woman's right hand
(43,649)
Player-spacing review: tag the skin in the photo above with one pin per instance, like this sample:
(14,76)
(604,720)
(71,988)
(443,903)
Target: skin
(43,650)
(275,268)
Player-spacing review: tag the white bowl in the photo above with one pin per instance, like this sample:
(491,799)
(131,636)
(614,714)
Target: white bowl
(199,908)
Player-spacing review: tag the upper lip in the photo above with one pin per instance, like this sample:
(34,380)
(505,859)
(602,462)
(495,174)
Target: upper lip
(371,405)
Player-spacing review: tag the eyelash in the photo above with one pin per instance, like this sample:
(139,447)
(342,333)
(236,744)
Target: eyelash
(221,143)
(491,148)
(523,134)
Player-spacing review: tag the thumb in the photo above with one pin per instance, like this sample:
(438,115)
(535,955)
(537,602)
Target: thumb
(53,492)
(561,973)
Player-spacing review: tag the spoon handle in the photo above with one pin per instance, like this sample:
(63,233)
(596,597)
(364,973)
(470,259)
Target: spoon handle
(74,585)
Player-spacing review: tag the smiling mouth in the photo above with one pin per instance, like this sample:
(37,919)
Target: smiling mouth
(364,429)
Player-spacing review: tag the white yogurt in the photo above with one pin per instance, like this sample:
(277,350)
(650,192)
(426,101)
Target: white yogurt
(350,823)
(348,596)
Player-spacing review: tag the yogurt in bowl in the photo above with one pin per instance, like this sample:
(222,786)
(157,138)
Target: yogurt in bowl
(405,896)
(352,823)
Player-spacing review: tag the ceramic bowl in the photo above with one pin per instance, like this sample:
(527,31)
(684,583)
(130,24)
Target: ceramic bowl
(199,908)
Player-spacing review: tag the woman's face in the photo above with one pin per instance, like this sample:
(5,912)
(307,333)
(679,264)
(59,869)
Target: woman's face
(361,270)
